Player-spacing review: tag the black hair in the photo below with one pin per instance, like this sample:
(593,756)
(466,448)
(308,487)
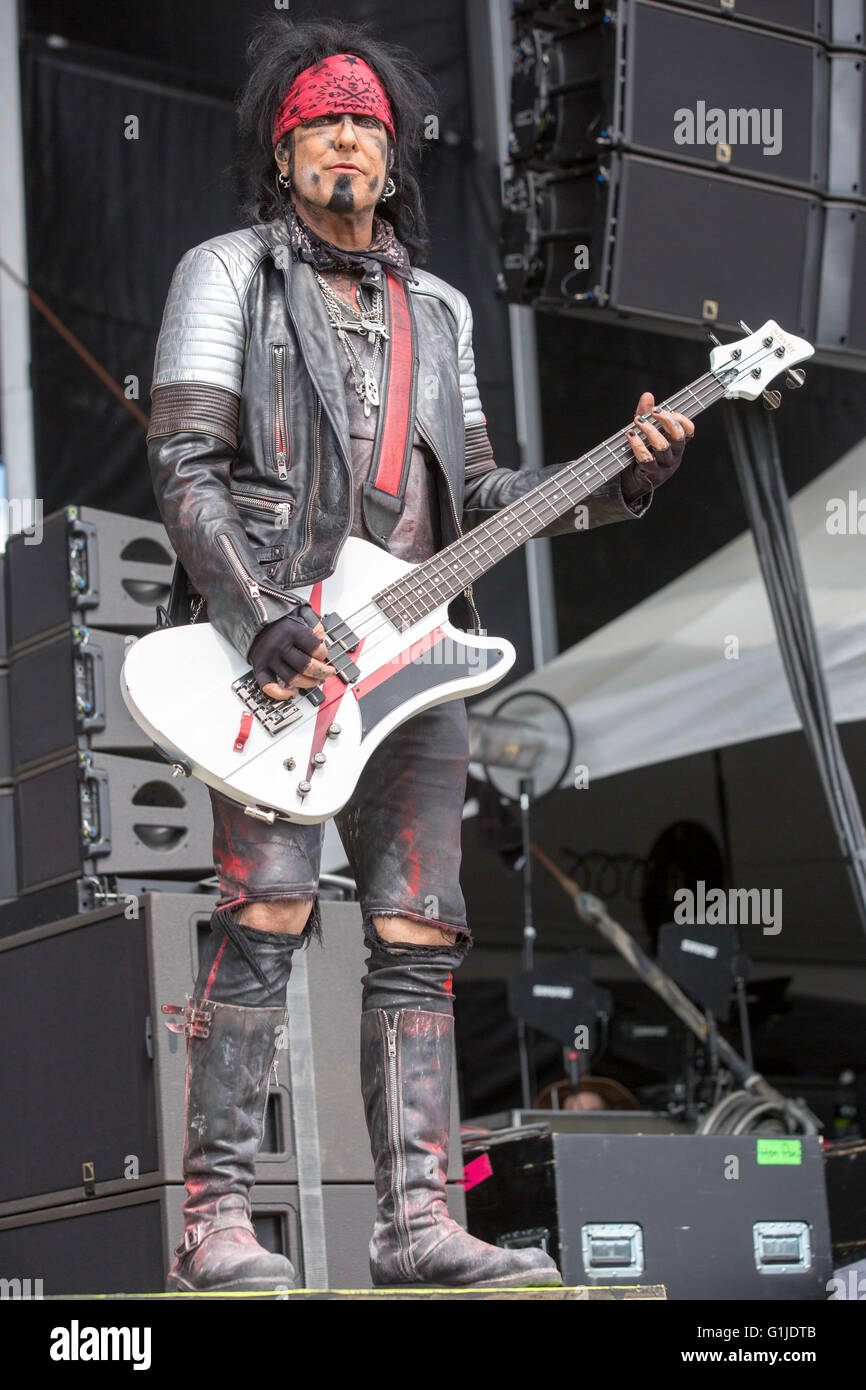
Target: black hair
(279,48)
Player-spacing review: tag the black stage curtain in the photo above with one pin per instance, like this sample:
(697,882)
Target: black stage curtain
(108,218)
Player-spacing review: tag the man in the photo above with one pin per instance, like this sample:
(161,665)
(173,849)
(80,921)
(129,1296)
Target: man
(280,357)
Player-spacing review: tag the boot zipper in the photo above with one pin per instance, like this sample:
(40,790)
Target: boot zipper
(317,457)
(281,434)
(470,598)
(255,588)
(398,1182)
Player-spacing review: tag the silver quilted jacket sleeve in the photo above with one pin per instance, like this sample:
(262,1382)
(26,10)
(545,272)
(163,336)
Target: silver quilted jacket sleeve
(192,442)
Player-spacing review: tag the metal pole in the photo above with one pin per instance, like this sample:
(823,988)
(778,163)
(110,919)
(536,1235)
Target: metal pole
(16,401)
(490,43)
(524,1034)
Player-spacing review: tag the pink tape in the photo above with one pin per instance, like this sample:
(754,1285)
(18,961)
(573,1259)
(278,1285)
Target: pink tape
(476,1171)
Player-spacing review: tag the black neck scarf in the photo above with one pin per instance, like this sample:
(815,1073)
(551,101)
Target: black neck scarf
(385,248)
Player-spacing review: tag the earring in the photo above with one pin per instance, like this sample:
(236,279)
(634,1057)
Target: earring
(389,190)
(283,183)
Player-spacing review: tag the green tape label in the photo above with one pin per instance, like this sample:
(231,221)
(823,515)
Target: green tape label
(780,1151)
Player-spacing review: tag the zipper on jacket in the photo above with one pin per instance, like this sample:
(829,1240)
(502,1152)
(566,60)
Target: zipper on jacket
(264,504)
(398,1164)
(345,459)
(254,587)
(470,598)
(281,442)
(317,459)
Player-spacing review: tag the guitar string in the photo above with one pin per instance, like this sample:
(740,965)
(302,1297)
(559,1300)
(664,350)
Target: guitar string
(585,463)
(501,517)
(378,621)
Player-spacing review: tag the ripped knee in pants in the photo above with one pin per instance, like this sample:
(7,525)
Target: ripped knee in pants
(452,939)
(283,916)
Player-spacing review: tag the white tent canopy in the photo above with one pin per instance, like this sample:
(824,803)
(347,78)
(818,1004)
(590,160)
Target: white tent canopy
(662,681)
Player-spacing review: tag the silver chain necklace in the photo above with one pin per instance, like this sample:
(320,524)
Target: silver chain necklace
(372,324)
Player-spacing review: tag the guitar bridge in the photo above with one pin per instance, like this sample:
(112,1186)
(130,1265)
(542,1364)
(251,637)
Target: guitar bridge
(274,715)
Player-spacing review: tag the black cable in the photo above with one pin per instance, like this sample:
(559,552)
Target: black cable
(759,470)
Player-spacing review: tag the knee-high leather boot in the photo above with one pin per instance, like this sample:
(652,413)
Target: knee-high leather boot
(231,1048)
(407,1033)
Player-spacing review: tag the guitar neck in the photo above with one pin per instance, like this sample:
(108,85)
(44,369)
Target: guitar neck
(449,572)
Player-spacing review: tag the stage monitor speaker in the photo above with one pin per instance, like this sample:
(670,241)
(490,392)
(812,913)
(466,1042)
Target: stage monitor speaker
(101,813)
(90,567)
(710,1216)
(94,1082)
(65,695)
(125,1244)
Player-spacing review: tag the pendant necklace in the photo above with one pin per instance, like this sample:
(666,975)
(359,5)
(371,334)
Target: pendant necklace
(369,322)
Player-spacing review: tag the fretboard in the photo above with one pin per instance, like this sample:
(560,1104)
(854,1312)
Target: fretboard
(448,573)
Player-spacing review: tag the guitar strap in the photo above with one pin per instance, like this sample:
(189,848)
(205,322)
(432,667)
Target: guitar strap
(385,486)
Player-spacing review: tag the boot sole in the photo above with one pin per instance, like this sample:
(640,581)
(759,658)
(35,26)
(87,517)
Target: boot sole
(237,1286)
(508,1281)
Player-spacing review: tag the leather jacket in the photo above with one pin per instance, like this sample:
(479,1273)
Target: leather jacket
(248,441)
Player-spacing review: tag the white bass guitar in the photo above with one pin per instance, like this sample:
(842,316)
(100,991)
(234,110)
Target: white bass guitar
(387,635)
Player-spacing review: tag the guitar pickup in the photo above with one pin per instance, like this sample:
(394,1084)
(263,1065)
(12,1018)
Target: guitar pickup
(341,640)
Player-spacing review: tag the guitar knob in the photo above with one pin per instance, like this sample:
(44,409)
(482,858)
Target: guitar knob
(303,788)
(319,759)
(288,764)
(333,730)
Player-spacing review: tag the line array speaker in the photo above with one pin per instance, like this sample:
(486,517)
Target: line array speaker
(89,567)
(98,813)
(754,250)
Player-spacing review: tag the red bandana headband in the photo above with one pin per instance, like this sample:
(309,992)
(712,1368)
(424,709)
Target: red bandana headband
(343,82)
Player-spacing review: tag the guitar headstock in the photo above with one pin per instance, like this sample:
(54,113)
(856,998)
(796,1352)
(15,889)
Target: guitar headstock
(746,368)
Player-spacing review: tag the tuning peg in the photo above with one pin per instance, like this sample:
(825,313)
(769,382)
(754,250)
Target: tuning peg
(772,399)
(745,327)
(716,342)
(794,378)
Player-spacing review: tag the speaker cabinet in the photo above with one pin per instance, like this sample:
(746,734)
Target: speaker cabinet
(94,1081)
(124,1244)
(710,1216)
(89,566)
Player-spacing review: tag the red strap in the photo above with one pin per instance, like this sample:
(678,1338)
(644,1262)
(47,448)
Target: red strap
(392,452)
(243,731)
